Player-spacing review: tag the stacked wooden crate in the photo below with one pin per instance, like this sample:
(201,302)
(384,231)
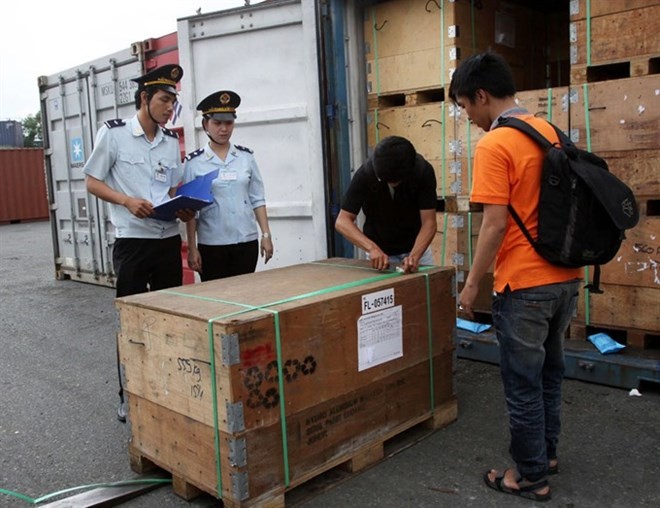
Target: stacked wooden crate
(247,387)
(412,48)
(615,112)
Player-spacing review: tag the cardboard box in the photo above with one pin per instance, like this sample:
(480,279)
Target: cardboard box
(247,386)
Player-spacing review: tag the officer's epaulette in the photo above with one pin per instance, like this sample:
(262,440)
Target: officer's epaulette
(168,132)
(117,122)
(194,154)
(244,148)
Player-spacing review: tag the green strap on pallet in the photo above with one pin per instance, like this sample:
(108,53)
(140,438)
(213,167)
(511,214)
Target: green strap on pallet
(376,69)
(550,104)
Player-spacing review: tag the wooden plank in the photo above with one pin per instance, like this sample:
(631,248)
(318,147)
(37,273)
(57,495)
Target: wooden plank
(637,168)
(610,7)
(624,114)
(638,261)
(622,35)
(627,307)
(619,68)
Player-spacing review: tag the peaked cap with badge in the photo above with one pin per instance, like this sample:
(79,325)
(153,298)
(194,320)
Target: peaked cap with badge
(165,78)
(220,105)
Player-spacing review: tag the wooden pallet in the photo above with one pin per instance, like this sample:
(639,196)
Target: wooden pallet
(616,69)
(406,98)
(324,476)
(631,337)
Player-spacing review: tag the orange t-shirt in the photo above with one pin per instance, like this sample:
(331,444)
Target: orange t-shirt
(507,170)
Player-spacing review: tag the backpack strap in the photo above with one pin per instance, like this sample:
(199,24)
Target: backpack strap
(522,126)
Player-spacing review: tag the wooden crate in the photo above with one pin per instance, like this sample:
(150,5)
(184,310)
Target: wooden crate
(293,393)
(455,244)
(638,169)
(624,114)
(619,33)
(638,261)
(621,306)
(415,44)
(578,8)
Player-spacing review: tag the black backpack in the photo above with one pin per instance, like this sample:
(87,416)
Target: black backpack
(583,209)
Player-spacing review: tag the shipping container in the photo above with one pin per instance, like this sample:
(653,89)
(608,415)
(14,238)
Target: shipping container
(22,185)
(11,134)
(74,104)
(269,55)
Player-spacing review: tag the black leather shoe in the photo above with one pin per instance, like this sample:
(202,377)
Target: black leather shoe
(121,412)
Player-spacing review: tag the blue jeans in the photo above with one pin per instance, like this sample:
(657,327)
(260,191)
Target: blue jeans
(531,324)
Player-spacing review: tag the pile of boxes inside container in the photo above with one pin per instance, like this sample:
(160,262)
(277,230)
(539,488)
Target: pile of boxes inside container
(589,67)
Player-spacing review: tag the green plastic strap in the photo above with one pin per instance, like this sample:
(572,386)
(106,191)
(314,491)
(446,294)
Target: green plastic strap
(550,104)
(587,128)
(376,68)
(469,238)
(588,33)
(443,248)
(41,499)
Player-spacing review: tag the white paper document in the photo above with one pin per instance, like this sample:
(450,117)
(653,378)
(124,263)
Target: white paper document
(380,337)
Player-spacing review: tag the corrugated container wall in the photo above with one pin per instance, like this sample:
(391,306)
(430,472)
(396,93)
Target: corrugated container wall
(74,104)
(22,185)
(11,133)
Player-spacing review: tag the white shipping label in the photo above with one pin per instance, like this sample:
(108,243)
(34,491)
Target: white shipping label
(377,301)
(380,337)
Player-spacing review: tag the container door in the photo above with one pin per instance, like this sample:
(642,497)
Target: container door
(268,54)
(74,104)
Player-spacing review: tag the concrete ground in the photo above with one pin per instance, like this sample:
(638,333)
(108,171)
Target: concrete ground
(58,428)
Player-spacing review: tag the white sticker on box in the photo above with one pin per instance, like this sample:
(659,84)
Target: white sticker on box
(380,337)
(378,301)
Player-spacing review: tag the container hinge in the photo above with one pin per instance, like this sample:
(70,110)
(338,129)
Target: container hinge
(239,483)
(237,452)
(230,353)
(235,420)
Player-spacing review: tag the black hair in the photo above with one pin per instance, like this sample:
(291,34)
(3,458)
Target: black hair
(483,71)
(393,159)
(151,91)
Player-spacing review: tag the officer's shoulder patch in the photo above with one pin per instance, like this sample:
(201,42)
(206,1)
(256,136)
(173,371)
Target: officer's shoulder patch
(194,154)
(169,132)
(244,148)
(117,122)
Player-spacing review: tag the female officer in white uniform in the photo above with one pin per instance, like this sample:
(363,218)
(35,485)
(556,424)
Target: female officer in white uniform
(223,239)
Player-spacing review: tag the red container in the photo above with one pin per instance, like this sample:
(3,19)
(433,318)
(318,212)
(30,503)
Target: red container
(22,185)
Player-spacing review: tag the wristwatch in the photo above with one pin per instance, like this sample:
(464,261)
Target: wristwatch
(265,235)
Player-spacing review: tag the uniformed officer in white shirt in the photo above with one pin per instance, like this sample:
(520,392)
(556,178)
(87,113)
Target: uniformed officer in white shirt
(223,240)
(135,166)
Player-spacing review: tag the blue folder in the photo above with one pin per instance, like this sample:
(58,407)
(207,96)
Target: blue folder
(194,195)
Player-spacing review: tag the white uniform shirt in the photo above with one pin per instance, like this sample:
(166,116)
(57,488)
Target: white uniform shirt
(237,191)
(129,163)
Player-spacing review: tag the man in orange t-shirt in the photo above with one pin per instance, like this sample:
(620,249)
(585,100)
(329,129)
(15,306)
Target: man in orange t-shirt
(534,300)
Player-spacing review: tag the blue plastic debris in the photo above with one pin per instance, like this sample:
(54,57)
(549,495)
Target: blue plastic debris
(605,344)
(471,326)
